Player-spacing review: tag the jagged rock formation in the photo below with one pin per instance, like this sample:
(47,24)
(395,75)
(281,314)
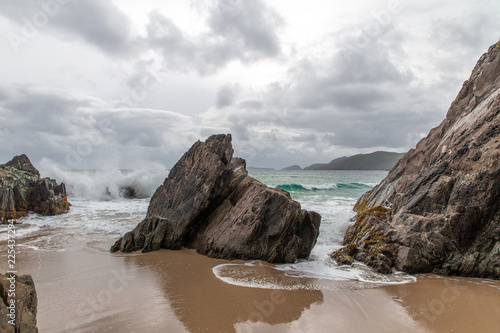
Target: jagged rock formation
(25,307)
(209,203)
(22,190)
(438,210)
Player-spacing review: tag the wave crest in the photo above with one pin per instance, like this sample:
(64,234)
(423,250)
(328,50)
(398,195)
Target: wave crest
(106,184)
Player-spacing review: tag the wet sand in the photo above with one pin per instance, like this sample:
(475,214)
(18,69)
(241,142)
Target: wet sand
(84,288)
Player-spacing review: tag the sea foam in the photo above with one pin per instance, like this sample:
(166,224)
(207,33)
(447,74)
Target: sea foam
(105,184)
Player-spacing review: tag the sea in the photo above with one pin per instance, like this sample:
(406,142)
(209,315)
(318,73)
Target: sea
(100,211)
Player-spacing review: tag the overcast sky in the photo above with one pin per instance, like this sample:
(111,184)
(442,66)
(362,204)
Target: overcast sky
(133,84)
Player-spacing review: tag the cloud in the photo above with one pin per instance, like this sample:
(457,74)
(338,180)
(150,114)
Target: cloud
(319,101)
(466,32)
(226,95)
(237,30)
(249,26)
(379,97)
(324,103)
(81,131)
(98,23)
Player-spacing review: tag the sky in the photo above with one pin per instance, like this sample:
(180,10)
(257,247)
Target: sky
(133,84)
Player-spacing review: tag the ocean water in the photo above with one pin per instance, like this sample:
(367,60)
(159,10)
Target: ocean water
(99,211)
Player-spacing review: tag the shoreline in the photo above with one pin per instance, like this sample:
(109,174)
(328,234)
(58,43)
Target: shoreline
(83,288)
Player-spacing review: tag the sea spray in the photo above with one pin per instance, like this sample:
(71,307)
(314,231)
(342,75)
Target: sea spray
(106,184)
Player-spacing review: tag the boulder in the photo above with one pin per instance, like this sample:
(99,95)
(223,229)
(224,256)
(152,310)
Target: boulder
(209,203)
(438,209)
(22,190)
(26,304)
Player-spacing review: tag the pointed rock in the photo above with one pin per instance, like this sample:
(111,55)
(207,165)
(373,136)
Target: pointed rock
(209,203)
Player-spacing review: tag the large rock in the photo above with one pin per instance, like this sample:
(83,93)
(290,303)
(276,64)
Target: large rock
(209,203)
(22,190)
(24,294)
(438,210)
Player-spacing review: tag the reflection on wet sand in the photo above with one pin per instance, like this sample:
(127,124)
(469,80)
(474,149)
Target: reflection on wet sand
(206,304)
(452,304)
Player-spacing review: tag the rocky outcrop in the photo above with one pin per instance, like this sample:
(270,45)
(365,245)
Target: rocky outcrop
(22,190)
(20,289)
(209,203)
(438,210)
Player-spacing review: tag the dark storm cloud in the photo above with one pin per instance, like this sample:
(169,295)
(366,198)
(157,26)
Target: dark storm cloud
(43,111)
(99,23)
(238,30)
(57,124)
(250,25)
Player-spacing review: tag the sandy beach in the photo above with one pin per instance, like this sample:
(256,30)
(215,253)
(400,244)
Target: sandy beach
(83,288)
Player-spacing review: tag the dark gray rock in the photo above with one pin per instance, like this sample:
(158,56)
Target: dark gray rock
(209,203)
(442,199)
(22,190)
(22,162)
(26,304)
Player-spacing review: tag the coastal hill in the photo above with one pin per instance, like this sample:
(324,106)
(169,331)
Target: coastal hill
(379,160)
(292,168)
(438,209)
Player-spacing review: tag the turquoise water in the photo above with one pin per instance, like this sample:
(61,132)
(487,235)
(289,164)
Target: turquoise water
(302,184)
(330,193)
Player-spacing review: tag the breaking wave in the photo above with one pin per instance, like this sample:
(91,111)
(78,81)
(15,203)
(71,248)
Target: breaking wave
(107,184)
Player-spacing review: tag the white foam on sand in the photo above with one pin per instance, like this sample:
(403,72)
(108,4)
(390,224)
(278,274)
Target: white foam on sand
(21,231)
(309,275)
